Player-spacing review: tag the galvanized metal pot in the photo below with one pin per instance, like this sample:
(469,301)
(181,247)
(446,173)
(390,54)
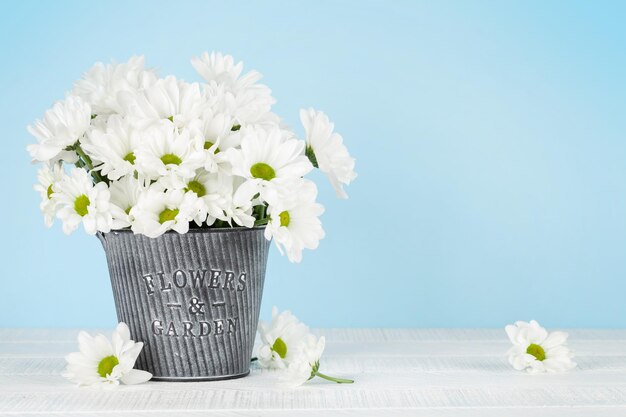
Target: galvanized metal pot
(192,299)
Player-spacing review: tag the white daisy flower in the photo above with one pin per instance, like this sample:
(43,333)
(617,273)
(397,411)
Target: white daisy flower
(287,344)
(326,150)
(62,126)
(163,150)
(49,176)
(114,148)
(266,155)
(101,85)
(168,99)
(159,210)
(280,339)
(294,222)
(305,363)
(104,364)
(213,190)
(214,129)
(536,350)
(246,100)
(80,201)
(239,209)
(217,67)
(125,194)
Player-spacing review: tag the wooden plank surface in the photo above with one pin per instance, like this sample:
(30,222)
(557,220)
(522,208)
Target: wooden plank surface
(398,372)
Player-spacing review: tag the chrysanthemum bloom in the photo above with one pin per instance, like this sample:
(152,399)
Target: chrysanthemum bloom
(62,126)
(80,201)
(114,148)
(287,344)
(326,150)
(101,85)
(536,350)
(294,217)
(159,210)
(267,155)
(243,97)
(167,100)
(164,150)
(280,339)
(103,363)
(49,176)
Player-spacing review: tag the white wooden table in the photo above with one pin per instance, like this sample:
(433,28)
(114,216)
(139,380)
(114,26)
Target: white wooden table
(397,372)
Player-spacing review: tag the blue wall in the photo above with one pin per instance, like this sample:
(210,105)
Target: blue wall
(490,140)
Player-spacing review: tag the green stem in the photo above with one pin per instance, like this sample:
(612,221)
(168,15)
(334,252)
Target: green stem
(83,156)
(262,222)
(87,160)
(333,379)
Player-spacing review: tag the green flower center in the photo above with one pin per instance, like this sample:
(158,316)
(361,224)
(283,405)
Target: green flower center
(236,128)
(170,158)
(167,215)
(208,144)
(80,205)
(285,219)
(280,348)
(263,171)
(537,351)
(130,157)
(311,155)
(127,211)
(196,187)
(106,365)
(50,191)
(171,119)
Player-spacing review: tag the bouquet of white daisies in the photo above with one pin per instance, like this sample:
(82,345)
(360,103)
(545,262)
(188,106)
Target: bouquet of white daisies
(127,149)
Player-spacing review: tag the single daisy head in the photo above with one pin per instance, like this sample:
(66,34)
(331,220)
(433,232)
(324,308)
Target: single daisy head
(268,155)
(294,222)
(326,150)
(281,339)
(62,126)
(101,362)
(159,210)
(80,201)
(537,350)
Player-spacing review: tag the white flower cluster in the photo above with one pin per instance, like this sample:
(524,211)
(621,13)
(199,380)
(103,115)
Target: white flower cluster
(128,149)
(288,345)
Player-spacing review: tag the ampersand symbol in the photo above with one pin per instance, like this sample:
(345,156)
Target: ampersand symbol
(195,307)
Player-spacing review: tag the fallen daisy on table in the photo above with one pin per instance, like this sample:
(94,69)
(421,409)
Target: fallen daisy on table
(104,364)
(287,344)
(536,350)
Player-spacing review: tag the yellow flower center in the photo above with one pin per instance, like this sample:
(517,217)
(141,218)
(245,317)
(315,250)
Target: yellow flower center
(537,351)
(263,171)
(280,348)
(197,187)
(50,191)
(167,215)
(130,157)
(80,205)
(170,158)
(285,219)
(106,365)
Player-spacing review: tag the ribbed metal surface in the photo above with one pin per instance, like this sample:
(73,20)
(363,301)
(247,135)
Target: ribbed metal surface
(193,299)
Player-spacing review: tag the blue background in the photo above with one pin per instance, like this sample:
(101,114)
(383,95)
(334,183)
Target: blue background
(489,137)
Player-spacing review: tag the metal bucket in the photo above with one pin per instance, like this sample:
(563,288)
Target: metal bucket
(192,299)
